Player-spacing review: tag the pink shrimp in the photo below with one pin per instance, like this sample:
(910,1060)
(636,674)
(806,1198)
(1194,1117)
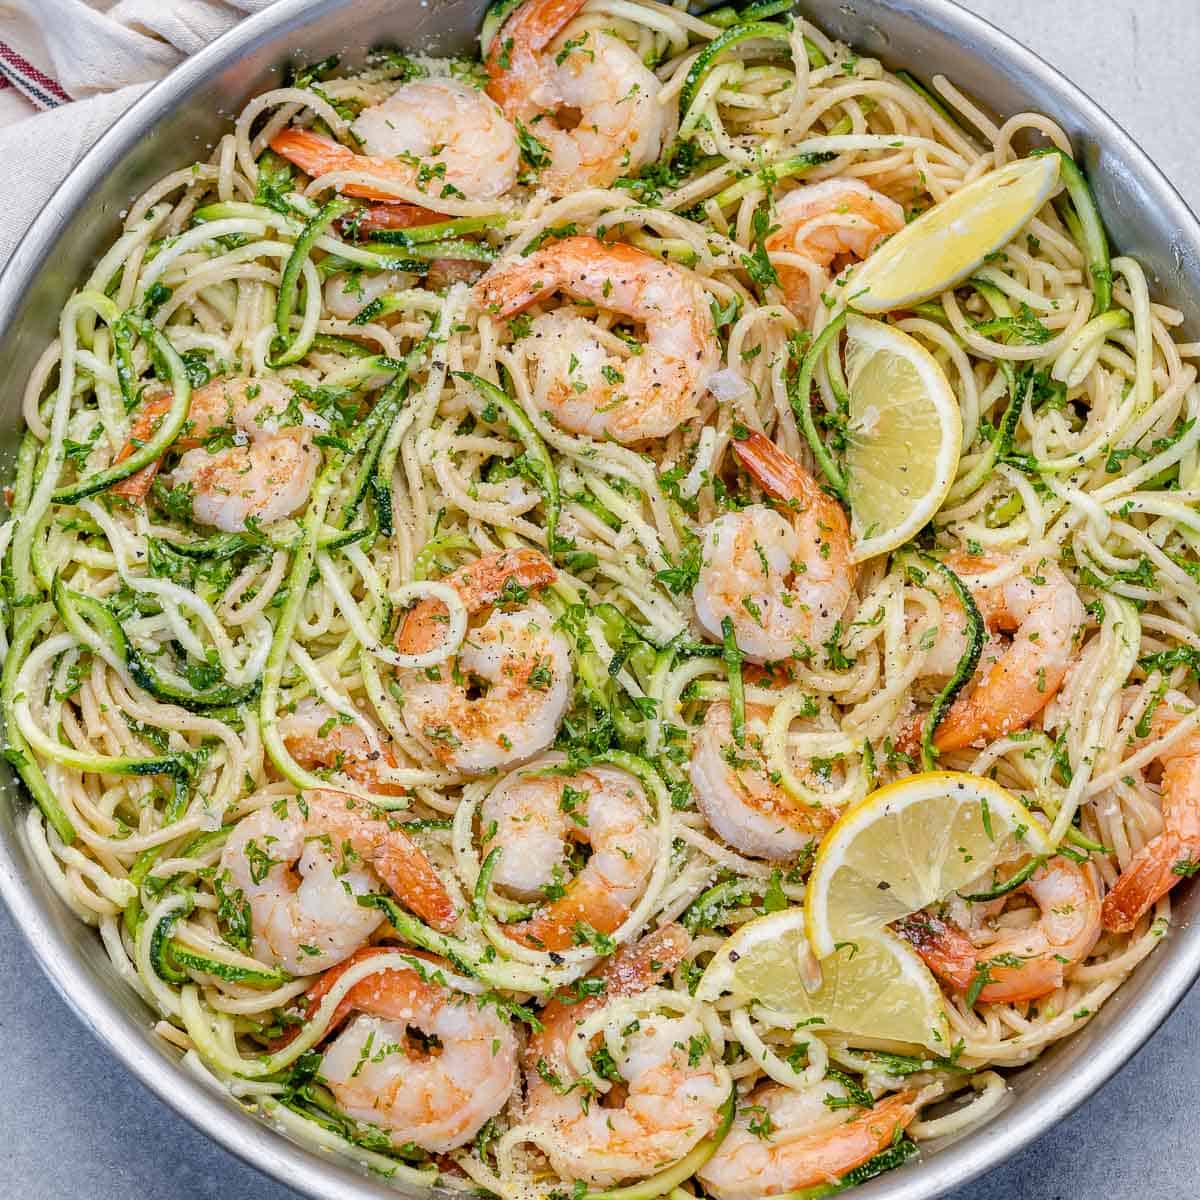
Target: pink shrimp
(590,102)
(1014,683)
(820,223)
(782,576)
(1173,854)
(317,737)
(430,135)
(535,813)
(221,403)
(301,871)
(587,390)
(671,1095)
(816,1137)
(381,1074)
(1021,964)
(501,698)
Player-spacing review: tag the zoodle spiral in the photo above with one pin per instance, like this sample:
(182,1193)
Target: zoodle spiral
(437,618)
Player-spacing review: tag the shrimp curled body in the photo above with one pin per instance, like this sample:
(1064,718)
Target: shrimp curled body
(534,814)
(302,870)
(820,223)
(1020,964)
(669,1099)
(739,799)
(240,461)
(1013,683)
(784,578)
(616,125)
(500,700)
(586,388)
(378,1072)
(464,145)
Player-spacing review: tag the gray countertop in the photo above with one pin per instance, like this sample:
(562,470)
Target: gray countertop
(77,1125)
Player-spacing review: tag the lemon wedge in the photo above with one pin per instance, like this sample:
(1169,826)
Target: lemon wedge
(875,987)
(903,435)
(908,845)
(946,243)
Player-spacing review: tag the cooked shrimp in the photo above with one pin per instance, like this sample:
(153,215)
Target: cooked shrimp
(647,395)
(672,1085)
(500,700)
(821,222)
(307,923)
(238,408)
(815,1137)
(439,136)
(782,576)
(135,486)
(1014,683)
(737,796)
(590,101)
(533,815)
(398,215)
(266,480)
(1174,853)
(319,738)
(379,1072)
(266,474)
(1020,964)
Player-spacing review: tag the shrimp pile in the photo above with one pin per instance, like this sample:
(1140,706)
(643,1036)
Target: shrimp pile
(439,618)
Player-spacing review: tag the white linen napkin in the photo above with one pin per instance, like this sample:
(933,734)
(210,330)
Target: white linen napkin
(69,68)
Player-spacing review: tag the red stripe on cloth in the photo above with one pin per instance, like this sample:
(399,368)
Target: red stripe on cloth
(24,76)
(4,82)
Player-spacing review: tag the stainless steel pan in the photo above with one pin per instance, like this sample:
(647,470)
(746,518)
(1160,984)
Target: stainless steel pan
(175,124)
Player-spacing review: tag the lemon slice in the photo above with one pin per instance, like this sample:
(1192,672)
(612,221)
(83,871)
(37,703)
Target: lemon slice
(946,243)
(908,845)
(904,436)
(875,987)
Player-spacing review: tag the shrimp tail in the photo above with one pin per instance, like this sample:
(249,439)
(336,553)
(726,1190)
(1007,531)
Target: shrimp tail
(519,42)
(589,268)
(364,994)
(313,154)
(137,486)
(507,290)
(316,156)
(320,989)
(403,866)
(947,951)
(832,1155)
(381,217)
(1151,874)
(555,926)
(979,718)
(390,852)
(537,24)
(775,472)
